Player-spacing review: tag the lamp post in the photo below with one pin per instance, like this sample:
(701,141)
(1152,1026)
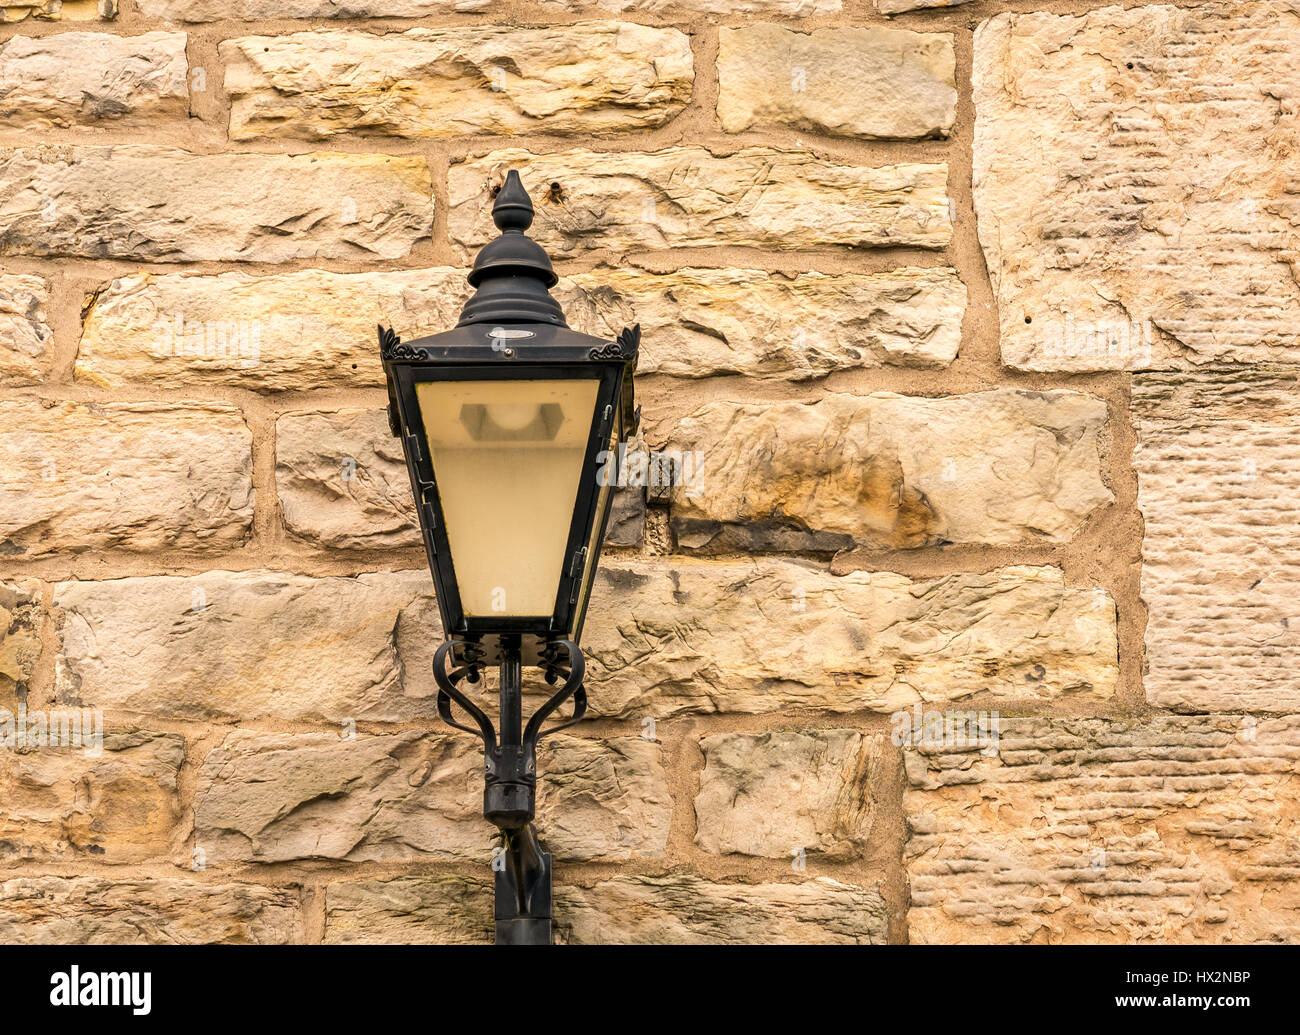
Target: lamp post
(503,420)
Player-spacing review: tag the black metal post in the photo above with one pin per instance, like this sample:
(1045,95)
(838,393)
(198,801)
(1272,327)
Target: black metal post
(512,697)
(523,876)
(523,891)
(523,882)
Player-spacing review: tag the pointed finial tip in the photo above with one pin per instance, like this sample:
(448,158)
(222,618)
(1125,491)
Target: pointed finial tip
(513,209)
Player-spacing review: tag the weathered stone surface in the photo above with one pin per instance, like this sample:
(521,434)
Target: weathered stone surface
(698,322)
(342,482)
(219,10)
(685,196)
(603,800)
(58,10)
(731,8)
(684,909)
(589,77)
(1126,181)
(25,337)
(409,911)
(163,204)
(747,637)
(240,645)
(887,471)
(1175,829)
(627,517)
(92,78)
(849,81)
(280,333)
(258,10)
(679,908)
(662,640)
(899,6)
(1218,481)
(272,797)
(772,794)
(68,803)
(131,476)
(313,329)
(21,619)
(98,911)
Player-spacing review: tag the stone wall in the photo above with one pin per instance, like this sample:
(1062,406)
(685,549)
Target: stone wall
(978,317)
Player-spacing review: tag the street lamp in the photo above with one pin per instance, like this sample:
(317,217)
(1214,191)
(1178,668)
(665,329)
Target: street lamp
(505,421)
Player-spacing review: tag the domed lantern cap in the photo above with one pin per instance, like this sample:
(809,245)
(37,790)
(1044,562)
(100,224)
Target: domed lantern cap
(512,274)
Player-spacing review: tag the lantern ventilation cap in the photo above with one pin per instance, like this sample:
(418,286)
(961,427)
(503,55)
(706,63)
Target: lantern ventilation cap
(512,275)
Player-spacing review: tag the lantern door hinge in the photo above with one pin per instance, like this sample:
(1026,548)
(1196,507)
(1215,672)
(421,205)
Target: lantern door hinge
(576,567)
(413,449)
(427,503)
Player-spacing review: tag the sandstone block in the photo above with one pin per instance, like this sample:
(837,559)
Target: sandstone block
(286,332)
(93,78)
(241,645)
(588,77)
(686,196)
(100,911)
(701,637)
(999,468)
(25,336)
(627,517)
(699,322)
(259,10)
(1126,184)
(774,8)
(1217,485)
(900,6)
(57,10)
(772,794)
(603,800)
(67,804)
(342,481)
(409,911)
(22,616)
(684,909)
(132,476)
(162,204)
(1089,830)
(849,81)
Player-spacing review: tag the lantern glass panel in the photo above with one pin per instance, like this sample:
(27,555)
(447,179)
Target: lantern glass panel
(508,458)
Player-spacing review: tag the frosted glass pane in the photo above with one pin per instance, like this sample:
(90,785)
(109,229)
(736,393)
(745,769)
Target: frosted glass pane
(507,456)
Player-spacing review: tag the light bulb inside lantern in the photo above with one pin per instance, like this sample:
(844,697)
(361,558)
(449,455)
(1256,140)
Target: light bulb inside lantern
(513,416)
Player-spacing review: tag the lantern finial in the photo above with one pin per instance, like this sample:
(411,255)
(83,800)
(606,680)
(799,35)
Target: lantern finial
(513,209)
(512,274)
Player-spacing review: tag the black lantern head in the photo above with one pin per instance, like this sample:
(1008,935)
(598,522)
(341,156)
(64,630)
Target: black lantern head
(511,425)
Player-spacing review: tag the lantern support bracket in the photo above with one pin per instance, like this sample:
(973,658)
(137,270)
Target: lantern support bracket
(523,870)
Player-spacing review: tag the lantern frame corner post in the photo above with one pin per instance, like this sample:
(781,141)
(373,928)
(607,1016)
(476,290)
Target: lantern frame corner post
(512,330)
